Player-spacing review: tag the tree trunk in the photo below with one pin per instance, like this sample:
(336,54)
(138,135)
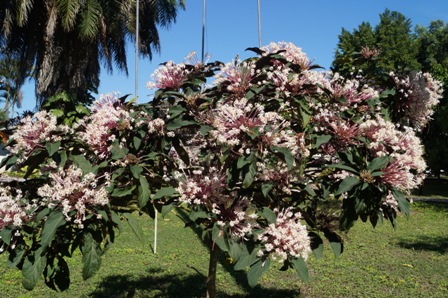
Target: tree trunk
(211,278)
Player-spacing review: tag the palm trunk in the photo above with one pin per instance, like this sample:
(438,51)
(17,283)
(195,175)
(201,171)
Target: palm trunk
(211,278)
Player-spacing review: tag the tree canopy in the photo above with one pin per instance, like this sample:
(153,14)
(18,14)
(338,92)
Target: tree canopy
(66,41)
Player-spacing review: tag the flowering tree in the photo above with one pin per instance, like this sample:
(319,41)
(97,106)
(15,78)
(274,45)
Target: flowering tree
(269,160)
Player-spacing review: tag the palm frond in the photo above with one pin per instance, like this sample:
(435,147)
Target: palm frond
(68,10)
(90,17)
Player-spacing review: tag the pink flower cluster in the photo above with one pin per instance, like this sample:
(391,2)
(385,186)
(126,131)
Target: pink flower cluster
(34,131)
(208,188)
(98,130)
(76,194)
(287,237)
(405,171)
(236,76)
(168,76)
(418,94)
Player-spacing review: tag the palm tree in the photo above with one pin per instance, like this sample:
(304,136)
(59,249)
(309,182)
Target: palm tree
(67,40)
(10,84)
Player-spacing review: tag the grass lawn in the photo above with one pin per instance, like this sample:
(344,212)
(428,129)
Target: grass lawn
(411,261)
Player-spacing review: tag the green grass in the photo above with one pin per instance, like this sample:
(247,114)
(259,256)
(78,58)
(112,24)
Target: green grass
(410,261)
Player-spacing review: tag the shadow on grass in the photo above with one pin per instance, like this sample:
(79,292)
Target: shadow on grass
(155,283)
(152,284)
(437,244)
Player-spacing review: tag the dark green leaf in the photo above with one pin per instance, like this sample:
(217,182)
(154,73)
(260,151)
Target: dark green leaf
(137,142)
(347,184)
(91,256)
(123,191)
(335,242)
(288,158)
(117,152)
(378,163)
(266,188)
(53,222)
(317,245)
(235,251)
(403,203)
(52,148)
(136,228)
(246,258)
(15,256)
(300,266)
(322,139)
(165,192)
(136,170)
(178,123)
(343,167)
(82,163)
(5,234)
(257,270)
(33,268)
(270,215)
(143,192)
(250,175)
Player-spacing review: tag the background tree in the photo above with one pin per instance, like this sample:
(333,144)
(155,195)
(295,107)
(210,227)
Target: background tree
(393,46)
(433,56)
(10,84)
(66,40)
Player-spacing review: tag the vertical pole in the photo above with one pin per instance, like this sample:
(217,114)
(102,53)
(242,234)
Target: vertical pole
(259,25)
(137,16)
(155,231)
(203,30)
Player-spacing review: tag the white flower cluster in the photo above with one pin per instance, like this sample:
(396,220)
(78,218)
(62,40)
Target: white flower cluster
(287,237)
(35,130)
(97,130)
(238,76)
(76,194)
(407,166)
(291,52)
(12,210)
(168,76)
(419,93)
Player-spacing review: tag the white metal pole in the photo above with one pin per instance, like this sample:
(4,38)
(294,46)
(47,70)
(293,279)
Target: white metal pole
(203,30)
(259,25)
(137,16)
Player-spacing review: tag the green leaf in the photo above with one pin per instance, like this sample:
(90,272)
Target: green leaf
(250,175)
(378,163)
(403,203)
(15,256)
(143,192)
(317,245)
(300,266)
(343,167)
(82,163)
(118,152)
(219,239)
(266,188)
(335,242)
(5,234)
(270,215)
(52,147)
(53,222)
(196,214)
(57,113)
(165,192)
(288,158)
(58,277)
(166,209)
(136,170)
(257,270)
(136,228)
(322,139)
(178,123)
(235,250)
(91,256)
(137,142)
(176,111)
(33,268)
(242,161)
(123,191)
(347,184)
(246,258)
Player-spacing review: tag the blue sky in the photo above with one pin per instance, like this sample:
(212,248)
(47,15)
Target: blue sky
(232,26)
